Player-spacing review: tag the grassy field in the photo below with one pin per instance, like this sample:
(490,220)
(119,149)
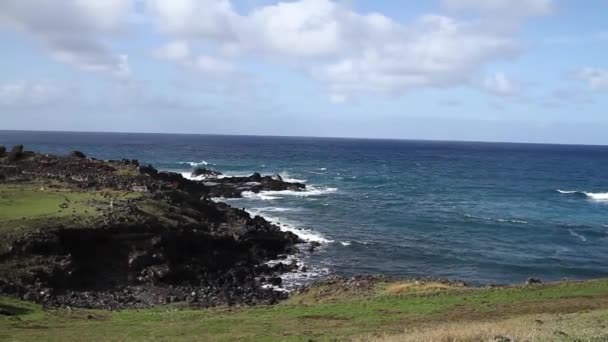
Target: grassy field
(22,204)
(569,311)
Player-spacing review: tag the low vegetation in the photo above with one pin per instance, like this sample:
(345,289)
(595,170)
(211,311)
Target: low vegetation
(376,310)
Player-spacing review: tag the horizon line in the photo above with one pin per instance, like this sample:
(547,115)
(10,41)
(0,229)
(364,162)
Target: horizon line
(310,137)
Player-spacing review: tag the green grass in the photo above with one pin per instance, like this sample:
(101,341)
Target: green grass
(341,315)
(27,205)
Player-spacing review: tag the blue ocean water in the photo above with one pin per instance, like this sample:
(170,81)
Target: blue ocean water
(480,212)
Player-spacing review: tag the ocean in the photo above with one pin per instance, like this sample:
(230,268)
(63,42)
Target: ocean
(483,213)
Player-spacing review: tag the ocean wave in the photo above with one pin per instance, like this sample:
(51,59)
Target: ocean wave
(195,164)
(350,242)
(307,235)
(272,195)
(261,195)
(188,175)
(288,178)
(597,196)
(502,220)
(276,209)
(575,234)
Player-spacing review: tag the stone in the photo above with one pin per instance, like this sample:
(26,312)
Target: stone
(531,281)
(15,153)
(2,151)
(77,154)
(205,172)
(256,177)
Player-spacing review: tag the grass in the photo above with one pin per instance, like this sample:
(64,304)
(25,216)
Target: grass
(328,313)
(25,205)
(584,326)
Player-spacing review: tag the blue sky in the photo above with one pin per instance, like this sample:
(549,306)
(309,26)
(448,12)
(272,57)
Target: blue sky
(493,70)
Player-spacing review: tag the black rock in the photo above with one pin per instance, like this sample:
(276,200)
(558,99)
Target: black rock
(205,172)
(276,281)
(15,153)
(533,281)
(77,154)
(2,151)
(255,177)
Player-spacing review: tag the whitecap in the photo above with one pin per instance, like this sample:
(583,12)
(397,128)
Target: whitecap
(575,234)
(345,243)
(309,191)
(596,196)
(194,164)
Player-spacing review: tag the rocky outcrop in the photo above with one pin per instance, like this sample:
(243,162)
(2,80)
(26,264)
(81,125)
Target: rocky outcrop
(169,243)
(230,187)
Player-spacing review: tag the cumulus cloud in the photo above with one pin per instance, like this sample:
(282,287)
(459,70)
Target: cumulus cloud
(596,78)
(499,84)
(351,53)
(72,31)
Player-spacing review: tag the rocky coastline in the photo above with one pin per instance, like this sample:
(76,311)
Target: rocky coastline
(125,235)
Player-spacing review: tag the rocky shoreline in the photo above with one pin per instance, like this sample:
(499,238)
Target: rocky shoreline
(123,235)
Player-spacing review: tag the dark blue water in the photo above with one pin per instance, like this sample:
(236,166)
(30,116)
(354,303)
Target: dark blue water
(481,212)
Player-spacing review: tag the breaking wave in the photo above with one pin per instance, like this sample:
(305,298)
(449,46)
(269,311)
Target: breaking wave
(195,164)
(597,196)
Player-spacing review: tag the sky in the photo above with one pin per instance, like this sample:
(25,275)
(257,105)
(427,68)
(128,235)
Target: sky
(491,70)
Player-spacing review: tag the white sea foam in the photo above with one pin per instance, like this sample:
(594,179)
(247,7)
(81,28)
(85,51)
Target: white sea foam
(512,221)
(307,235)
(288,178)
(273,195)
(262,195)
(596,196)
(502,220)
(188,175)
(345,243)
(194,164)
(276,209)
(575,234)
(303,273)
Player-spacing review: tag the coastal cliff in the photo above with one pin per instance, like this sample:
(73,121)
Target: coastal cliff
(76,231)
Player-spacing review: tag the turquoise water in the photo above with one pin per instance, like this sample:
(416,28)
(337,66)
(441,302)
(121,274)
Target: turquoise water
(480,212)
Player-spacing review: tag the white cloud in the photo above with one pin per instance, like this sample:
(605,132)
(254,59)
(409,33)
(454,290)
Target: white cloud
(213,65)
(499,84)
(178,50)
(73,31)
(504,8)
(596,78)
(30,93)
(351,53)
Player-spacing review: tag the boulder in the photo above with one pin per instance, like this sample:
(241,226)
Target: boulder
(205,172)
(531,281)
(77,154)
(2,151)
(255,177)
(15,153)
